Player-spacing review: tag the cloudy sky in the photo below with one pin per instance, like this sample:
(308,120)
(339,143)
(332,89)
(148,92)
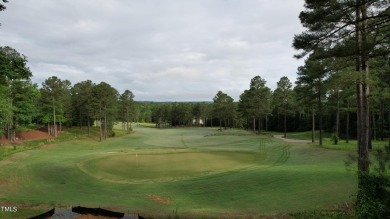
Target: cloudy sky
(171,50)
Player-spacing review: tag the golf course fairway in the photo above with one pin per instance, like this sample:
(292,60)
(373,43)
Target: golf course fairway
(143,168)
(198,172)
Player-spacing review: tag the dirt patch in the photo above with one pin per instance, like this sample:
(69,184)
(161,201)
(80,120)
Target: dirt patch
(26,136)
(3,140)
(33,135)
(162,200)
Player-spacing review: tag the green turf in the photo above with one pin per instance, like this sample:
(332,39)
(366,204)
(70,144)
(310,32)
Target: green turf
(307,135)
(327,142)
(194,171)
(167,166)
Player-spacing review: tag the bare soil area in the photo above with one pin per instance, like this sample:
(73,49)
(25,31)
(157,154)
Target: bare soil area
(26,136)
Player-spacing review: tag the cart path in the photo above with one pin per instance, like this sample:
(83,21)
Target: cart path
(291,140)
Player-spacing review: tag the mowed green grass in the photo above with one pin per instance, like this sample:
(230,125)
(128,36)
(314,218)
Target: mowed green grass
(168,166)
(192,171)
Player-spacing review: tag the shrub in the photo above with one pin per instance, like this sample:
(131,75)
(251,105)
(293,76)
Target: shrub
(111,134)
(373,197)
(334,138)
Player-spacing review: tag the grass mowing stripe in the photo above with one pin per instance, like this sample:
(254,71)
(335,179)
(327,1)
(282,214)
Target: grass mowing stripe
(250,174)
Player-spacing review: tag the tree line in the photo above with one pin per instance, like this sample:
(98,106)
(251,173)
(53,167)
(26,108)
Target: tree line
(323,98)
(57,103)
(318,101)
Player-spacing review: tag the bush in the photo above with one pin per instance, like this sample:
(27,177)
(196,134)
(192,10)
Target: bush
(111,134)
(373,198)
(335,139)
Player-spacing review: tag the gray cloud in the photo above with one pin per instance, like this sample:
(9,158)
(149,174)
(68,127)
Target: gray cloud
(161,50)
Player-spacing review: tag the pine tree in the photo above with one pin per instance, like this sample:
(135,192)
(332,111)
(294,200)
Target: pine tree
(224,108)
(351,28)
(13,67)
(55,99)
(311,83)
(105,100)
(126,101)
(283,99)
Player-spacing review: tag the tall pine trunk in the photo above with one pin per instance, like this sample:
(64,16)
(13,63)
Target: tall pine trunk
(338,114)
(320,117)
(127,119)
(363,91)
(54,119)
(89,127)
(347,128)
(9,135)
(105,125)
(389,128)
(80,119)
(285,123)
(100,129)
(313,127)
(254,125)
(373,126)
(382,119)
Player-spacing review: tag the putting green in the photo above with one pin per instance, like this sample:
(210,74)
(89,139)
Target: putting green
(160,167)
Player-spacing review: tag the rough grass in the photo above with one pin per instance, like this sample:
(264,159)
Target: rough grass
(307,135)
(228,183)
(328,143)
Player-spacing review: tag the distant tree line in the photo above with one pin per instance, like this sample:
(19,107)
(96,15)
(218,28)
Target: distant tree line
(322,99)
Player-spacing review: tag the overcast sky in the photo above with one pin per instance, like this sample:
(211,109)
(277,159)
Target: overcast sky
(171,50)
